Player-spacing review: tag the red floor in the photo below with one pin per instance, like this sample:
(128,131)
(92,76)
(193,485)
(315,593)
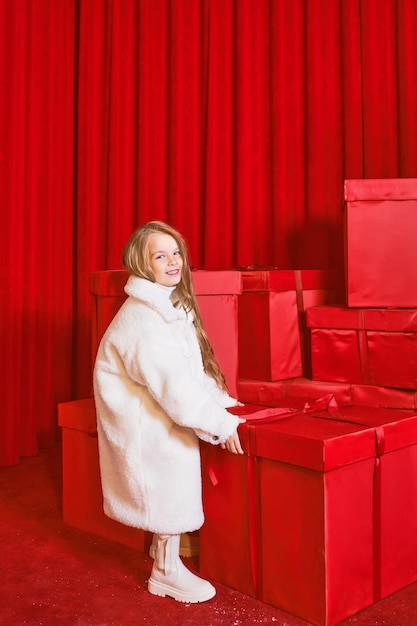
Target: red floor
(56,574)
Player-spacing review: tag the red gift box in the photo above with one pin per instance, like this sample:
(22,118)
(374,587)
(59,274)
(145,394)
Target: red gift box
(395,497)
(380,236)
(107,289)
(364,346)
(369,395)
(217,293)
(292,522)
(269,392)
(82,495)
(272,329)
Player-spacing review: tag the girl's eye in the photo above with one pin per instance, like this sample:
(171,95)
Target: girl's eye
(177,253)
(160,256)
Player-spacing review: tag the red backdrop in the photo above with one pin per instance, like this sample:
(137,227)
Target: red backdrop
(235,120)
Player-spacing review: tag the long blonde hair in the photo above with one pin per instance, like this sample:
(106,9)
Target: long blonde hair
(136,259)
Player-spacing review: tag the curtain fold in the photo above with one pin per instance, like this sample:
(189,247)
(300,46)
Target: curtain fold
(37,244)
(381,149)
(234,120)
(406,71)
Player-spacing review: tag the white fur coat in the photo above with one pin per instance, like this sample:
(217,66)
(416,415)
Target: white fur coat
(153,401)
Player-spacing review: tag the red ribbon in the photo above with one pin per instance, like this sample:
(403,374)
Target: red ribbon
(255,533)
(301,320)
(264,415)
(326,403)
(363,348)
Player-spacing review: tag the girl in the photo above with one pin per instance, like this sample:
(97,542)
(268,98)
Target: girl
(158,389)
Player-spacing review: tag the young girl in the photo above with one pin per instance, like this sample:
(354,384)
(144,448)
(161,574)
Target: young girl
(158,389)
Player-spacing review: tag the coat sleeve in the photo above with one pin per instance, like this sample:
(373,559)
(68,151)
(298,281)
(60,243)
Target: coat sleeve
(221,396)
(160,357)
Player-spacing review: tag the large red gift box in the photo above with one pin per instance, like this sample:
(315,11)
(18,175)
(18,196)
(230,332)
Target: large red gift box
(370,395)
(269,392)
(364,346)
(82,495)
(107,289)
(217,293)
(395,493)
(380,240)
(292,521)
(272,328)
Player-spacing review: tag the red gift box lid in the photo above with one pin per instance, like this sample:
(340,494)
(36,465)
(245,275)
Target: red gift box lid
(395,428)
(112,282)
(313,443)
(310,442)
(216,282)
(381,189)
(399,320)
(288,280)
(387,397)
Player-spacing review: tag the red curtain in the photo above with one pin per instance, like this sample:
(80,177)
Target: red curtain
(36,223)
(235,120)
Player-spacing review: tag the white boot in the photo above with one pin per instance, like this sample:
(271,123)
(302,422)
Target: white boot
(170,577)
(189,545)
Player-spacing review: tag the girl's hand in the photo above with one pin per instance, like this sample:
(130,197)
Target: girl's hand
(233,443)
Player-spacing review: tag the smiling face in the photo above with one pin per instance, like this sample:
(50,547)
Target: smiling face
(165,259)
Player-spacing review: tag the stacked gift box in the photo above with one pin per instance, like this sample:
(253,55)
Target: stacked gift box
(318,517)
(273,341)
(373,340)
(363,358)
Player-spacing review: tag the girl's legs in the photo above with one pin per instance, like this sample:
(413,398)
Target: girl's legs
(189,545)
(170,577)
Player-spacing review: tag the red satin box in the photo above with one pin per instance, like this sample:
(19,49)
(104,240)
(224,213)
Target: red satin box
(364,346)
(107,289)
(272,329)
(292,521)
(217,293)
(369,395)
(380,234)
(82,495)
(395,494)
(268,392)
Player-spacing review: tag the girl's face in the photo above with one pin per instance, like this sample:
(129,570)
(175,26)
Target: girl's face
(165,259)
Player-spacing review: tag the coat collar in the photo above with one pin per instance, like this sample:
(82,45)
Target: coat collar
(157,297)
